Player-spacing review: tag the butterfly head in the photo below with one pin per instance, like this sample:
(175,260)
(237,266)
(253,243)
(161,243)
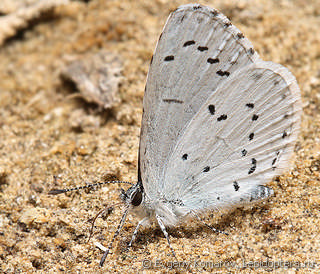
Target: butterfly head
(133,195)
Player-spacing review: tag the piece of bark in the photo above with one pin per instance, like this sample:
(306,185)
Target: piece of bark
(19,18)
(10,6)
(97,77)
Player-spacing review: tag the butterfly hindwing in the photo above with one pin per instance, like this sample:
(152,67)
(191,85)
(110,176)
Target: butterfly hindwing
(247,141)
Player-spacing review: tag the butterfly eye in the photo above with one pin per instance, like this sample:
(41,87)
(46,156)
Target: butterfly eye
(136,197)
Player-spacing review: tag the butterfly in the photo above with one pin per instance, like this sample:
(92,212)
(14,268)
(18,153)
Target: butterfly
(218,123)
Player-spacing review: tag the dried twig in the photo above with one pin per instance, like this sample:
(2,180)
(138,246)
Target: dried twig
(97,77)
(19,18)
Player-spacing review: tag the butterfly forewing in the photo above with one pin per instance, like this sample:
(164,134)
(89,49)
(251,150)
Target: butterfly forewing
(198,50)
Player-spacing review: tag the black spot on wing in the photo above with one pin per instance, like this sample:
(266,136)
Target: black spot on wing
(169,58)
(185,156)
(172,101)
(250,105)
(206,169)
(251,135)
(253,166)
(274,160)
(244,152)
(255,117)
(182,18)
(202,48)
(223,73)
(176,202)
(213,60)
(212,109)
(222,117)
(189,43)
(227,24)
(236,186)
(284,134)
(240,35)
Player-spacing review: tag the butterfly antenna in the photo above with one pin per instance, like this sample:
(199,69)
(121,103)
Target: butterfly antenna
(99,213)
(59,191)
(123,218)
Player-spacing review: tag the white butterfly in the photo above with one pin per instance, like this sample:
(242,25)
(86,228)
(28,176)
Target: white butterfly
(218,122)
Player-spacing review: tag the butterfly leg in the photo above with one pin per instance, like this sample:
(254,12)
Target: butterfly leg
(123,218)
(164,231)
(134,235)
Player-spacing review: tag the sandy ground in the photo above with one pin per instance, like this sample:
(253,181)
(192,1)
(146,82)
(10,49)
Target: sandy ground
(39,139)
